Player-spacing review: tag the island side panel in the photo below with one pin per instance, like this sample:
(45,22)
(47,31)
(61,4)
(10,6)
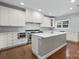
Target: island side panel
(46,45)
(35,44)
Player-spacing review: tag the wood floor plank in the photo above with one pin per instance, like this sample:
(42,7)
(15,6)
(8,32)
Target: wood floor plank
(71,51)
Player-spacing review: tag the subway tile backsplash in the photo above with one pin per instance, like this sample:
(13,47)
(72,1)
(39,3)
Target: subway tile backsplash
(29,26)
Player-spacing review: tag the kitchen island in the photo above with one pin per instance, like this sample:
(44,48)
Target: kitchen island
(45,44)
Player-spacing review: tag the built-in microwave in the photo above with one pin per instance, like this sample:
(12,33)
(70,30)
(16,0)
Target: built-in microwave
(21,35)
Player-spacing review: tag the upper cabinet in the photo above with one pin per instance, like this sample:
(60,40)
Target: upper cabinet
(11,17)
(4,16)
(37,17)
(33,16)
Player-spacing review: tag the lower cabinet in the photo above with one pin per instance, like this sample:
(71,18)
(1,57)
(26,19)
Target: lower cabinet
(3,41)
(8,40)
(73,36)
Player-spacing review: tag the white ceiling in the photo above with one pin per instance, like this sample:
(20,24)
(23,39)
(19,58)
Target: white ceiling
(49,7)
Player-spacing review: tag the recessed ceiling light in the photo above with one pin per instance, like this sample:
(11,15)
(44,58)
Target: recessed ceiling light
(39,9)
(21,3)
(73,1)
(70,8)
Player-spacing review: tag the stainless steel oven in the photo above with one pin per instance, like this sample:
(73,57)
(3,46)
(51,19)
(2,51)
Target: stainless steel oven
(21,35)
(29,34)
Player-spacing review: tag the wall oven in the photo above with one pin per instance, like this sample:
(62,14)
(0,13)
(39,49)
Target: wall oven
(27,35)
(21,35)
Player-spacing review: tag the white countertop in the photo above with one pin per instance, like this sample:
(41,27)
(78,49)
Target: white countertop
(44,35)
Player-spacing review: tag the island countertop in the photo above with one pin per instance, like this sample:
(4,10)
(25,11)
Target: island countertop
(45,35)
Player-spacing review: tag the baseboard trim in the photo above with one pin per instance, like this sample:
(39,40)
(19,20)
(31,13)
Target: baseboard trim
(50,53)
(12,47)
(70,41)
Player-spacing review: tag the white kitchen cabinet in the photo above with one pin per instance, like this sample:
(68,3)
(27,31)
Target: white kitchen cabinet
(73,36)
(16,18)
(33,16)
(46,22)
(11,17)
(9,39)
(21,19)
(3,41)
(4,16)
(6,40)
(28,16)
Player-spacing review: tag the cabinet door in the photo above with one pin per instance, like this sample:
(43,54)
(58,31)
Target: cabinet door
(13,17)
(29,16)
(10,39)
(3,40)
(3,16)
(33,16)
(21,18)
(16,17)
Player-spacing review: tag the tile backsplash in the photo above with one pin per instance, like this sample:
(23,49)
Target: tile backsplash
(29,26)
(32,26)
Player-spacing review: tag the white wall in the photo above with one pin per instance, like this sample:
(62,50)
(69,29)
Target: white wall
(61,18)
(73,31)
(74,23)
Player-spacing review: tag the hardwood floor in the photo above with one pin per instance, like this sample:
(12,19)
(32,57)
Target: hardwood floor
(23,52)
(71,51)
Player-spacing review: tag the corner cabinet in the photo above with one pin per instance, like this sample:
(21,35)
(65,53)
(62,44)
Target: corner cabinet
(11,17)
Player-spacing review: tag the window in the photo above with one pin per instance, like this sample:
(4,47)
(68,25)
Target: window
(59,25)
(63,24)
